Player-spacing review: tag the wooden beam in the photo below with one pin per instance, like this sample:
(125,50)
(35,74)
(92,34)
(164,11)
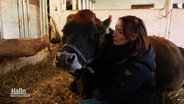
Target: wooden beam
(13,48)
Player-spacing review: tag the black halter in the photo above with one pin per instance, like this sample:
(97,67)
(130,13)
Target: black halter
(77,73)
(86,61)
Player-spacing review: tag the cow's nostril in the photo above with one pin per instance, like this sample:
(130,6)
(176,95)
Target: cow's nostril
(70,59)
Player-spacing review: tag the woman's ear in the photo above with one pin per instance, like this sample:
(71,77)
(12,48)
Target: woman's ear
(134,36)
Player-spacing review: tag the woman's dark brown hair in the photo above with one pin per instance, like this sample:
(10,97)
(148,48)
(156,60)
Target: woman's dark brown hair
(133,25)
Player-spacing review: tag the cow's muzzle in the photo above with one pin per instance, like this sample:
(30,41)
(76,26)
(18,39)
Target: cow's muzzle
(67,61)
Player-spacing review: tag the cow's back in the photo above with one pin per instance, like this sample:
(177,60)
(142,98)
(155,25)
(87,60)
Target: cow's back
(170,63)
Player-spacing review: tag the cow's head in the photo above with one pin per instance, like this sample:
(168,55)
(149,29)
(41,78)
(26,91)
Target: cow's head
(82,36)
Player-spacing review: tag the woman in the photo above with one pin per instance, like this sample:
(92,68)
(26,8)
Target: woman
(127,66)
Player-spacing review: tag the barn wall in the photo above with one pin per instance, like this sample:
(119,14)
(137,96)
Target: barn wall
(125,4)
(34,19)
(10,18)
(158,21)
(153,19)
(176,33)
(20,21)
(55,11)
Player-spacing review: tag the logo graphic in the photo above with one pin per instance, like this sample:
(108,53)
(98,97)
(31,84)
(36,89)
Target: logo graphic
(19,92)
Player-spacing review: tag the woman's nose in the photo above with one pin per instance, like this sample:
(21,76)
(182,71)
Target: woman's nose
(115,33)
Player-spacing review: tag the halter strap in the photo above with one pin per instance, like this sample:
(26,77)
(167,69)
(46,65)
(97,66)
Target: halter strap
(86,61)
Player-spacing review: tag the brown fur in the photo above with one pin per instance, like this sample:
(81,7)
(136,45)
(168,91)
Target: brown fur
(170,64)
(83,17)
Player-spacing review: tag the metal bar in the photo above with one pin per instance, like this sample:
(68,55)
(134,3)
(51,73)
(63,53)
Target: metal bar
(41,26)
(90,4)
(20,18)
(79,4)
(83,4)
(27,19)
(73,4)
(48,14)
(87,4)
(1,22)
(46,18)
(43,20)
(23,20)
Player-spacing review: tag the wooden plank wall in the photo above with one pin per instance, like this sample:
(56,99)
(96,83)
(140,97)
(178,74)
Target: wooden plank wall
(12,19)
(34,19)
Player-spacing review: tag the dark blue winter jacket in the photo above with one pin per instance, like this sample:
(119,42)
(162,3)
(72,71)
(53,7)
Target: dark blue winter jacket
(127,80)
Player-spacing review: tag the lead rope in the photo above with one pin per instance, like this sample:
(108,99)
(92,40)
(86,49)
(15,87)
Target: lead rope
(90,70)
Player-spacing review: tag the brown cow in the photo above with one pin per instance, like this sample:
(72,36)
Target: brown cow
(170,63)
(169,59)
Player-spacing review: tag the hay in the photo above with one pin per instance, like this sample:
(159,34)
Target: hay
(52,91)
(173,97)
(43,81)
(47,85)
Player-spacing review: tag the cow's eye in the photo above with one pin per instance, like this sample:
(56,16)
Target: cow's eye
(94,36)
(65,33)
(64,38)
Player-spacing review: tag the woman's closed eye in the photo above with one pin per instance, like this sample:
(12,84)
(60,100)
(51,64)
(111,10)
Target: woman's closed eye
(119,31)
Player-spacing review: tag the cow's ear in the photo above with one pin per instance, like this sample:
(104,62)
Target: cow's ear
(108,21)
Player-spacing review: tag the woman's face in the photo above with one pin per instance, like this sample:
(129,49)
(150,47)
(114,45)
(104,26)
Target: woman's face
(118,36)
